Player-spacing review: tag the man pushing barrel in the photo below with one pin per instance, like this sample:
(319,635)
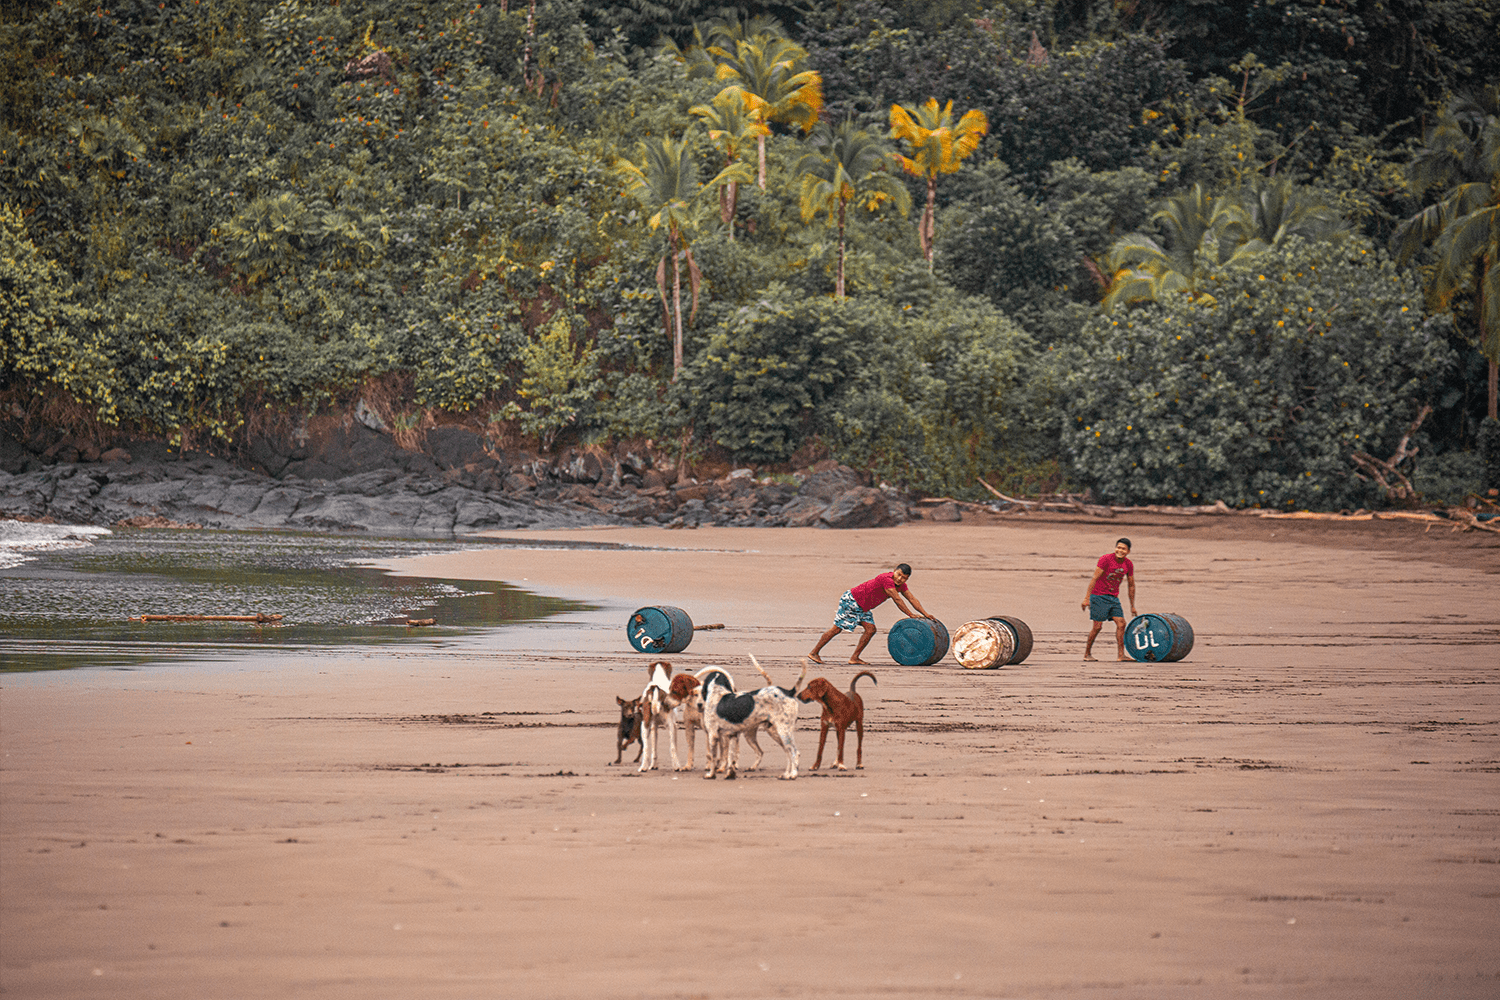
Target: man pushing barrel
(857,603)
(1102,599)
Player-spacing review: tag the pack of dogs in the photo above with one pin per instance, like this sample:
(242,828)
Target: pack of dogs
(708,700)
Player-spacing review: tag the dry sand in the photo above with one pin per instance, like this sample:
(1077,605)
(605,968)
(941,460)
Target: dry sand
(1306,806)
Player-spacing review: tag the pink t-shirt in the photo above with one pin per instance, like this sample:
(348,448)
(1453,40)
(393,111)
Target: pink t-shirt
(871,594)
(1115,570)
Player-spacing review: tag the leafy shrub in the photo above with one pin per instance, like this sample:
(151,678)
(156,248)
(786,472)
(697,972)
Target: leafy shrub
(1258,393)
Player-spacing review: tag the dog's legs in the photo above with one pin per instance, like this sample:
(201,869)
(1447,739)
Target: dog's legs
(822,739)
(672,738)
(787,743)
(859,743)
(648,743)
(843,731)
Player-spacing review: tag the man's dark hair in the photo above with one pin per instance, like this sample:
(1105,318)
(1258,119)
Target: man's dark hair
(904,568)
(1124,540)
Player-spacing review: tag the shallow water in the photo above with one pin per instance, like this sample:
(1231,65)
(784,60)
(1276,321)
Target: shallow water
(67,595)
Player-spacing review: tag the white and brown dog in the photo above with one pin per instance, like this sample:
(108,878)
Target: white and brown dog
(727,715)
(657,704)
(687,691)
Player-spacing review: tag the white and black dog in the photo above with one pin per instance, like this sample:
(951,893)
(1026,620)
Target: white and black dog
(727,715)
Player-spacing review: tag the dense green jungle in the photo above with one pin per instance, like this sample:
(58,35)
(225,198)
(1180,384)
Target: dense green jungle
(1170,252)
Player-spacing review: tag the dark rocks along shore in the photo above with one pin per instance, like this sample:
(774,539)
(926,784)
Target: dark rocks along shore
(349,477)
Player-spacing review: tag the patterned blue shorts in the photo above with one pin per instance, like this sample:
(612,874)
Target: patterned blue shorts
(849,615)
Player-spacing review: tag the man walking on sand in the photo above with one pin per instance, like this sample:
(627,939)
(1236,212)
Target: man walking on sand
(1102,599)
(857,603)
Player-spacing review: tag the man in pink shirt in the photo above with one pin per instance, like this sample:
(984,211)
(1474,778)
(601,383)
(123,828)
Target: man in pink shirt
(1102,599)
(857,603)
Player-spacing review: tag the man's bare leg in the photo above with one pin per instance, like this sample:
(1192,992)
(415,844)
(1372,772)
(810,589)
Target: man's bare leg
(1088,647)
(864,640)
(1120,639)
(827,637)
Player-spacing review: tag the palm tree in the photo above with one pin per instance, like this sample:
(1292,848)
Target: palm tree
(665,182)
(938,146)
(1196,227)
(767,79)
(731,128)
(847,164)
(1203,232)
(1461,157)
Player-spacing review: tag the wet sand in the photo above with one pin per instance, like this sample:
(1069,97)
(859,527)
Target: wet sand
(1308,805)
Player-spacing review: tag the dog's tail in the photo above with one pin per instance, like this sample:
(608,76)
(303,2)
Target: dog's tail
(862,673)
(790,692)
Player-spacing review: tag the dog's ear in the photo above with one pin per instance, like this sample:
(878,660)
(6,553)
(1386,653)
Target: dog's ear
(621,701)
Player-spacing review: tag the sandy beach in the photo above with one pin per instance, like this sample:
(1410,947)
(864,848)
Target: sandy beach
(1307,805)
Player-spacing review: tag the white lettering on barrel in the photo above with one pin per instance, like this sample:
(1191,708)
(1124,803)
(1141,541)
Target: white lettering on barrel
(1149,643)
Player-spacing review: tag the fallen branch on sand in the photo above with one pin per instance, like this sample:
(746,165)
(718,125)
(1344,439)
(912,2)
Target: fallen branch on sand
(707,628)
(257,619)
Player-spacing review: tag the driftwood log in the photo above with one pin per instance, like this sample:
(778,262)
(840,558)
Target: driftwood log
(421,621)
(707,628)
(257,619)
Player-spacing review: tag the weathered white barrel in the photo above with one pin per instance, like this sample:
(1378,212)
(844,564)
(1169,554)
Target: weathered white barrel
(983,645)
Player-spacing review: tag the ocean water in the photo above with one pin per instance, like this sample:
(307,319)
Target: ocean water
(68,594)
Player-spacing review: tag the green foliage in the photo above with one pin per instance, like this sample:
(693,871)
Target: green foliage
(558,382)
(1259,396)
(40,322)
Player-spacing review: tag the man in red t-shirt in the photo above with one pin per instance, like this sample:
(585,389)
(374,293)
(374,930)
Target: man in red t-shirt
(1102,599)
(857,603)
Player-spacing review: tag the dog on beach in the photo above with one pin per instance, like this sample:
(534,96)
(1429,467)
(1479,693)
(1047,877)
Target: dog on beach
(727,715)
(657,710)
(629,729)
(839,710)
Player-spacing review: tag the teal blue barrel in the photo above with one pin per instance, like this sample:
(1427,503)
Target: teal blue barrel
(659,629)
(1158,638)
(916,642)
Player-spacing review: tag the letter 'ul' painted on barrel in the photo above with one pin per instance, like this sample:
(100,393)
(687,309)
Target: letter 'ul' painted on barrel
(1158,638)
(659,629)
(916,642)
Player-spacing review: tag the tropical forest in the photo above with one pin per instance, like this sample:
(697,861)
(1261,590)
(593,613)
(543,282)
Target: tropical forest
(1169,252)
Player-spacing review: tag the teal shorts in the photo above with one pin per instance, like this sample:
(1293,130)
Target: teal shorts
(1104,607)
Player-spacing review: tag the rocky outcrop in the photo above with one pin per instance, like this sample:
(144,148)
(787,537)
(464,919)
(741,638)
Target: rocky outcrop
(348,476)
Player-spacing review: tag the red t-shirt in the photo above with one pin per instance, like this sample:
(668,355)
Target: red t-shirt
(1115,570)
(871,594)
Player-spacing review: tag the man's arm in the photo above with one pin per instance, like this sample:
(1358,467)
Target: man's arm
(1131,579)
(1098,572)
(902,604)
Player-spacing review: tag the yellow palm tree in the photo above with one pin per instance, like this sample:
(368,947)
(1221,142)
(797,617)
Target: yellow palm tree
(767,77)
(938,146)
(731,127)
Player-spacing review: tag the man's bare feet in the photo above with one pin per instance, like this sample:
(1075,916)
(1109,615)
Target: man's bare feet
(815,657)
(1123,659)
(859,663)
(1090,659)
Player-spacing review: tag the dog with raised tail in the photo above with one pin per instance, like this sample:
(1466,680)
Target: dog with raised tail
(727,715)
(839,710)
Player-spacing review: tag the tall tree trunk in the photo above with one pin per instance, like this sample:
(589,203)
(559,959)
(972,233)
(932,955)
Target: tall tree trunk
(526,52)
(839,285)
(733,206)
(929,220)
(1494,385)
(760,142)
(676,310)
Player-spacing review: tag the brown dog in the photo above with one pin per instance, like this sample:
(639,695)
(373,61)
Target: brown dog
(629,730)
(839,710)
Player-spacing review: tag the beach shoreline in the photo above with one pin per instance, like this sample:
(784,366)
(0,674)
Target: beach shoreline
(1305,806)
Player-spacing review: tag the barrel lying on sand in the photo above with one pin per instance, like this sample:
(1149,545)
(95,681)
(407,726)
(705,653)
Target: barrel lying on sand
(992,642)
(916,642)
(659,629)
(1158,638)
